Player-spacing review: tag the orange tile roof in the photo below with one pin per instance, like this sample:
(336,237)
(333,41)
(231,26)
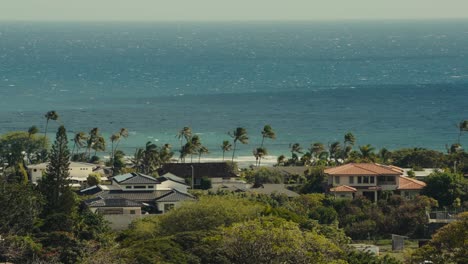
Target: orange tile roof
(371,169)
(405,183)
(343,188)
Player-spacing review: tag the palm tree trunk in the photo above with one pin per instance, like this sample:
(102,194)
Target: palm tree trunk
(199,156)
(234,151)
(259,161)
(263,139)
(73,150)
(223,154)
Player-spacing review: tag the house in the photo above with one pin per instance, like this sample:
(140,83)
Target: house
(290,174)
(79,171)
(171,181)
(369,180)
(217,172)
(150,194)
(409,187)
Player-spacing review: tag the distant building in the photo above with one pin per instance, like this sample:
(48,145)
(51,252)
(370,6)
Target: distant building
(133,195)
(79,171)
(217,172)
(369,180)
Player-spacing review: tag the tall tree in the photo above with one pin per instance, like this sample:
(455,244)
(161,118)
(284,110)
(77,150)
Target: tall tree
(202,150)
(295,149)
(348,144)
(123,133)
(462,127)
(267,132)
(334,149)
(316,148)
(195,146)
(261,152)
(51,115)
(184,133)
(367,152)
(79,141)
(55,184)
(239,134)
(226,146)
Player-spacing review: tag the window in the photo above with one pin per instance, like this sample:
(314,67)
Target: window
(132,212)
(366,179)
(351,179)
(150,187)
(128,187)
(337,179)
(139,187)
(359,179)
(372,180)
(35,170)
(391,178)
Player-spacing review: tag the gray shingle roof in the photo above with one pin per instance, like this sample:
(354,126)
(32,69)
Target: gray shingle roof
(111,202)
(175,196)
(140,196)
(135,178)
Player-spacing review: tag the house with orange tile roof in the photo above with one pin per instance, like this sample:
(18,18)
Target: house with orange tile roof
(369,180)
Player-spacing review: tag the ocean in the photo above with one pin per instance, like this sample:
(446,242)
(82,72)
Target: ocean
(393,84)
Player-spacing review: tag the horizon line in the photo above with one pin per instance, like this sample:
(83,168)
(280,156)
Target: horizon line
(237,21)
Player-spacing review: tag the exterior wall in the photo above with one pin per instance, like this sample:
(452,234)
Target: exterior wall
(80,172)
(409,194)
(366,181)
(75,172)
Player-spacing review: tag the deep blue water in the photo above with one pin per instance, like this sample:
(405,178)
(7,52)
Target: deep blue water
(393,84)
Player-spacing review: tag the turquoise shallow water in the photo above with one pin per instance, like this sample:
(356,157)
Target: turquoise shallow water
(393,84)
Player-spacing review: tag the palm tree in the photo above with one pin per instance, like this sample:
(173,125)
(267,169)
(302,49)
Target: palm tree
(348,144)
(195,146)
(239,134)
(137,159)
(150,159)
(51,115)
(259,153)
(79,141)
(384,155)
(462,127)
(99,145)
(186,133)
(113,138)
(202,150)
(295,148)
(334,149)
(280,160)
(267,132)
(166,153)
(123,133)
(316,148)
(92,138)
(366,152)
(226,146)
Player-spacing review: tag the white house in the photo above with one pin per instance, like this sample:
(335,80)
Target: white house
(79,171)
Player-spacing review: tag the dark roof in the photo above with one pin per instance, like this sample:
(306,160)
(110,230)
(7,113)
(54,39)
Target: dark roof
(111,202)
(135,178)
(200,170)
(91,190)
(175,196)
